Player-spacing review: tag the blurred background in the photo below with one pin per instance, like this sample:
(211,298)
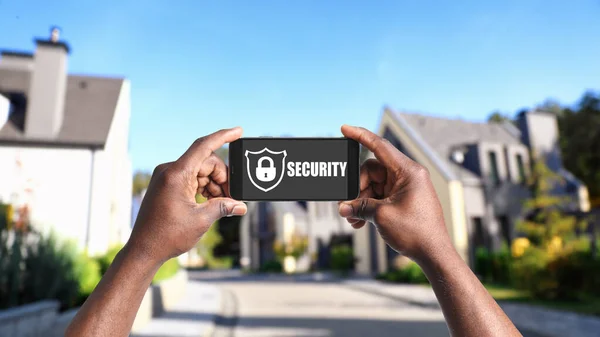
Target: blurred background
(500,100)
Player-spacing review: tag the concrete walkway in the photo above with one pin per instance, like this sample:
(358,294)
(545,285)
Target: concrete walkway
(531,320)
(194,315)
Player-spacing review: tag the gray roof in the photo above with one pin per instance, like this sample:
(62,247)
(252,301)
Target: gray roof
(89,109)
(441,134)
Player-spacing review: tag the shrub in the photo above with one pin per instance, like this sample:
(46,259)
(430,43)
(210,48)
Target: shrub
(296,247)
(35,267)
(494,267)
(565,272)
(342,258)
(272,266)
(107,258)
(225,262)
(88,274)
(167,270)
(411,273)
(483,263)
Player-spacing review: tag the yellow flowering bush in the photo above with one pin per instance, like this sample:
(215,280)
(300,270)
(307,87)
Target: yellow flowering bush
(519,246)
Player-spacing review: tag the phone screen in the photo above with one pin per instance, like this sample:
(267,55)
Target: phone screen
(294,169)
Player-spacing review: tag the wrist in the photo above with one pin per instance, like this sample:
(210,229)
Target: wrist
(438,256)
(140,256)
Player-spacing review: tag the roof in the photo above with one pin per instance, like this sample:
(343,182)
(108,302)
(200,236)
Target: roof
(442,134)
(89,109)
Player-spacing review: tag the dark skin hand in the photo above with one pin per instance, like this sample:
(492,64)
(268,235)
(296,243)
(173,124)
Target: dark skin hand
(397,196)
(170,222)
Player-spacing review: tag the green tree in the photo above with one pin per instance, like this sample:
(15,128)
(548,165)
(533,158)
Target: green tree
(141,180)
(546,219)
(579,129)
(498,117)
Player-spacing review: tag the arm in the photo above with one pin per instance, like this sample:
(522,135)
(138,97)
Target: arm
(397,196)
(170,223)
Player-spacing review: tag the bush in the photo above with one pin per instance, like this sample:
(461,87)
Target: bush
(35,267)
(167,270)
(272,266)
(225,262)
(107,258)
(88,274)
(411,273)
(565,273)
(342,258)
(494,267)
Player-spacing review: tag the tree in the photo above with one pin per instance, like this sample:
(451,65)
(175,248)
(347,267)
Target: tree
(579,129)
(545,219)
(498,117)
(141,180)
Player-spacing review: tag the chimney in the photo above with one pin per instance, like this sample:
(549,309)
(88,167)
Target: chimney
(48,87)
(539,131)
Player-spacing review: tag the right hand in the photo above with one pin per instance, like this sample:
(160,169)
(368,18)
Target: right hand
(397,196)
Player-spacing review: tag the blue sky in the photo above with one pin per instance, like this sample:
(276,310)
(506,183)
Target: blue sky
(303,68)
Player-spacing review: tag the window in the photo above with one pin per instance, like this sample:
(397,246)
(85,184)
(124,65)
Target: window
(521,168)
(495,175)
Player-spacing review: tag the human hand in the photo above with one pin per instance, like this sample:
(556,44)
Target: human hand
(170,222)
(397,196)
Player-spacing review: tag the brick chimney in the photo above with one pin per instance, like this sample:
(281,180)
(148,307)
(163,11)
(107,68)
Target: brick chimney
(47,89)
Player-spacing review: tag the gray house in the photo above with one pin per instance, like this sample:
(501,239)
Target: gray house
(478,171)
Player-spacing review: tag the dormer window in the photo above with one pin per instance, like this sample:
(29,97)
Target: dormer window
(494,173)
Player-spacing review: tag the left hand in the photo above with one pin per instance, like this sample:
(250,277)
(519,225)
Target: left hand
(170,222)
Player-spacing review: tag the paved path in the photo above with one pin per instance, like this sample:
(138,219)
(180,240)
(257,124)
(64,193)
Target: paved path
(192,316)
(318,305)
(314,306)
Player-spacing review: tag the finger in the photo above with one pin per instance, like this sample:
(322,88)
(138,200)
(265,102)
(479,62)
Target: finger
(359,224)
(372,171)
(383,150)
(216,208)
(356,222)
(363,209)
(214,168)
(214,189)
(202,183)
(203,147)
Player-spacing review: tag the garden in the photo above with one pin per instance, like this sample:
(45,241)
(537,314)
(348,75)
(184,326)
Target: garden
(554,261)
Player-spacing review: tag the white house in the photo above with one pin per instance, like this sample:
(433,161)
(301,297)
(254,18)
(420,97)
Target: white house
(64,146)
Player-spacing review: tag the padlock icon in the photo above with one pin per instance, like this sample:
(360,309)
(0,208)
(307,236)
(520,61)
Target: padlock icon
(265,173)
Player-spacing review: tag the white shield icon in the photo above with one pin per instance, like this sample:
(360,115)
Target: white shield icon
(273,155)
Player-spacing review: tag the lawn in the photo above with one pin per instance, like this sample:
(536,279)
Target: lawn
(503,293)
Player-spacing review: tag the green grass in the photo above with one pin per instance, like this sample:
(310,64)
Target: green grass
(590,306)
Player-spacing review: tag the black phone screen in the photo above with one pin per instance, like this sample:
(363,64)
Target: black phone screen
(294,169)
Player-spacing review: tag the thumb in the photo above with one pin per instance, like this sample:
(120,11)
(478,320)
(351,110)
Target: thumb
(214,209)
(363,209)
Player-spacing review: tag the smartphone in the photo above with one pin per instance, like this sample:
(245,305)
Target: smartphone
(288,169)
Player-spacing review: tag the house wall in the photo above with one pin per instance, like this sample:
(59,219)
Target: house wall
(120,172)
(59,181)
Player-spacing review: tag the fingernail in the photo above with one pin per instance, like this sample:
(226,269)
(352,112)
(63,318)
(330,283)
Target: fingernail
(237,210)
(345,210)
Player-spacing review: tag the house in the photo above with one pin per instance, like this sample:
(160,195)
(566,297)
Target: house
(478,171)
(270,222)
(64,146)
